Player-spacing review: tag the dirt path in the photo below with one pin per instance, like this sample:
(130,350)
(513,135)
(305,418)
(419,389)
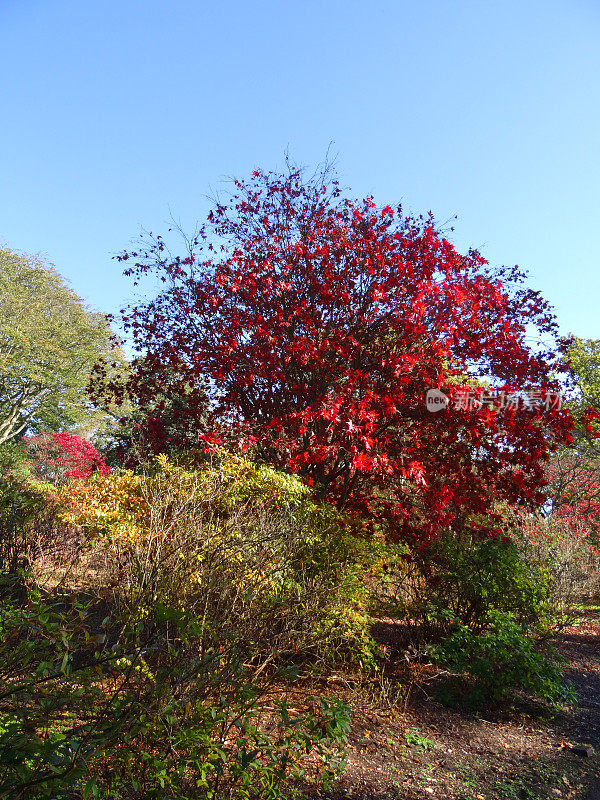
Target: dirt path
(525,753)
(580,645)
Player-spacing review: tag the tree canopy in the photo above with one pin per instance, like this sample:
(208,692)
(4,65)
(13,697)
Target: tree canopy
(574,472)
(309,327)
(49,342)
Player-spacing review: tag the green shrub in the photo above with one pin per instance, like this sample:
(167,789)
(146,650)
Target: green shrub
(48,688)
(151,716)
(470,578)
(500,659)
(16,464)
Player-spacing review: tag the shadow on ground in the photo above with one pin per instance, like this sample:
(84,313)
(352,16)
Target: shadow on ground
(518,753)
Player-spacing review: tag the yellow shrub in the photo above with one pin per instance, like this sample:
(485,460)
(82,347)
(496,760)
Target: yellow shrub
(114,505)
(242,547)
(120,505)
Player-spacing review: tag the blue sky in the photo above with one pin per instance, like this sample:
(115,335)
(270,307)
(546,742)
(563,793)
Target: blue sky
(117,114)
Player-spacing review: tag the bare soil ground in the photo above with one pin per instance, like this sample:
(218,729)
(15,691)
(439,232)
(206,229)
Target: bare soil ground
(525,752)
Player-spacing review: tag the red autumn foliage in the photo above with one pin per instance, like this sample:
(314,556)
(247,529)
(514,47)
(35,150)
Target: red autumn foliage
(310,327)
(59,457)
(573,474)
(573,477)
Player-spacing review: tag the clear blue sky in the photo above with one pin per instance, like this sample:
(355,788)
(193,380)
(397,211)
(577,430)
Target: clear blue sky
(117,113)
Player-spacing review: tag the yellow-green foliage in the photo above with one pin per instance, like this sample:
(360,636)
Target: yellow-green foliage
(246,544)
(113,505)
(119,505)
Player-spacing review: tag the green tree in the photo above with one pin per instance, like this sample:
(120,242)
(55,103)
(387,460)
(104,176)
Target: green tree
(574,471)
(49,342)
(584,366)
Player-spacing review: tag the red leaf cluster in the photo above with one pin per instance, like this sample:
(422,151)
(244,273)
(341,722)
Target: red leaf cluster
(313,326)
(59,457)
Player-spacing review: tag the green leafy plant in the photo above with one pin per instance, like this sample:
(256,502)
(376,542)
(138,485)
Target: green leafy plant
(500,659)
(152,713)
(465,578)
(416,739)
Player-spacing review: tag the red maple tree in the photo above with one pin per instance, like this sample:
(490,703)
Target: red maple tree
(59,457)
(573,475)
(309,327)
